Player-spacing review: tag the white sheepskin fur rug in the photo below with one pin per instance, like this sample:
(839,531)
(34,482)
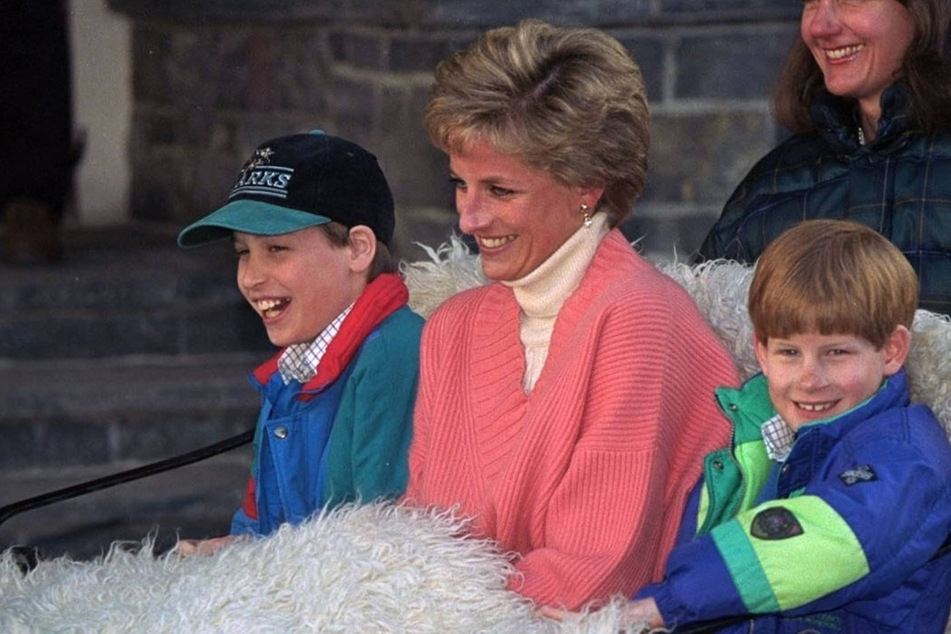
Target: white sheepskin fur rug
(371,568)
(377,567)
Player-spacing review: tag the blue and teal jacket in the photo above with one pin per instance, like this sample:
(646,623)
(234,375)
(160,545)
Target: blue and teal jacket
(344,435)
(899,185)
(837,538)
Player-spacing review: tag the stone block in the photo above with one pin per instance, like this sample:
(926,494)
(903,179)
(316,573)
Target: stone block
(649,53)
(251,130)
(241,61)
(424,178)
(446,13)
(699,158)
(417,53)
(158,127)
(175,65)
(159,437)
(19,445)
(181,183)
(155,174)
(352,106)
(151,48)
(301,71)
(359,48)
(88,336)
(216,287)
(227,329)
(208,179)
(731,64)
(138,272)
(66,442)
(751,9)
(399,13)
(418,173)
(151,200)
(59,443)
(223,11)
(189,62)
(83,289)
(664,233)
(193,502)
(477,13)
(120,391)
(400,120)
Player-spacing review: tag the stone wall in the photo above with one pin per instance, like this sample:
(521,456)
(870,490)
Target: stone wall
(213,78)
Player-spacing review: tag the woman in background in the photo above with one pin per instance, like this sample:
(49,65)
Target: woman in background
(866,89)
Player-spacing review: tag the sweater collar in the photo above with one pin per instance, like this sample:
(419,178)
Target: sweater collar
(544,291)
(749,407)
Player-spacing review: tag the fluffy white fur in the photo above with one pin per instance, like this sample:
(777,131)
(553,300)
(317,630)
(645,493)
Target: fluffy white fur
(377,567)
(371,568)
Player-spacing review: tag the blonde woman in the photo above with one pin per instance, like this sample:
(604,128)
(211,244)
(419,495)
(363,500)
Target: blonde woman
(566,405)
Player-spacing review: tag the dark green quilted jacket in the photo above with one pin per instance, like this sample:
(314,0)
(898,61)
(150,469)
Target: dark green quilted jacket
(899,184)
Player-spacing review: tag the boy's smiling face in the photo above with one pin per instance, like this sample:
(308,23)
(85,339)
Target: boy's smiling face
(297,282)
(813,377)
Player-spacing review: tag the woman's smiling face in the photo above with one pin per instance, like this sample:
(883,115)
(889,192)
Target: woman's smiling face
(858,45)
(517,214)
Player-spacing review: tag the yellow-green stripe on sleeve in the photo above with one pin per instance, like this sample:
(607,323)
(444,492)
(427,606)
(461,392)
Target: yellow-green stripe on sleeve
(818,555)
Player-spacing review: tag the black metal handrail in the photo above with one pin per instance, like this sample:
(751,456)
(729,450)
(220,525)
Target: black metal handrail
(197,455)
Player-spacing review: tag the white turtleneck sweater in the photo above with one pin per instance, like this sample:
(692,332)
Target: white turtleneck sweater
(543,292)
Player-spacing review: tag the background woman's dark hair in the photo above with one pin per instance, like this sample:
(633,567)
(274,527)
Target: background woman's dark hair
(926,70)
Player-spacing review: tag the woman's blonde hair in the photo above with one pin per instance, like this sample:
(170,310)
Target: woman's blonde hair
(570,101)
(832,277)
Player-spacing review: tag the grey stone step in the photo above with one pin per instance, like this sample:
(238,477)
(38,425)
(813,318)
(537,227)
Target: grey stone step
(195,502)
(126,290)
(127,352)
(111,411)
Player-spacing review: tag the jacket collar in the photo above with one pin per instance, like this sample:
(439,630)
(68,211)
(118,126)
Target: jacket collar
(836,119)
(749,407)
(381,298)
(893,393)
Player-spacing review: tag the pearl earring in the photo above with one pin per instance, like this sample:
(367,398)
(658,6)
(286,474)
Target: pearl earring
(587,216)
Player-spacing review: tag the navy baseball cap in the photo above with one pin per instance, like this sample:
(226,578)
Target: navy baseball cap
(299,181)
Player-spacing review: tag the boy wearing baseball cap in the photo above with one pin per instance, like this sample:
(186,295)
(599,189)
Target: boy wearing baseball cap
(310,217)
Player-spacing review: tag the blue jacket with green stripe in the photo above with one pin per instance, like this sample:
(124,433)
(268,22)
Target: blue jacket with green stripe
(840,537)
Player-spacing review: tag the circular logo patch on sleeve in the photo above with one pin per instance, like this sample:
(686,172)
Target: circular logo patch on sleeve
(775,523)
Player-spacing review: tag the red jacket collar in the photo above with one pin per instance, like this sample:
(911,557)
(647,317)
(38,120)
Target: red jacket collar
(381,298)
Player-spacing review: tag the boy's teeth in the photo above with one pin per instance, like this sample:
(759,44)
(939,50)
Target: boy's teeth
(815,407)
(269,307)
(845,51)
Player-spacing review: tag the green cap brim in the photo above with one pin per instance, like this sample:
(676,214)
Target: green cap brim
(247,216)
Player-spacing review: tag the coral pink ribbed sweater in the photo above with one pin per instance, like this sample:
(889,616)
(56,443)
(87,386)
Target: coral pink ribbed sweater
(586,477)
